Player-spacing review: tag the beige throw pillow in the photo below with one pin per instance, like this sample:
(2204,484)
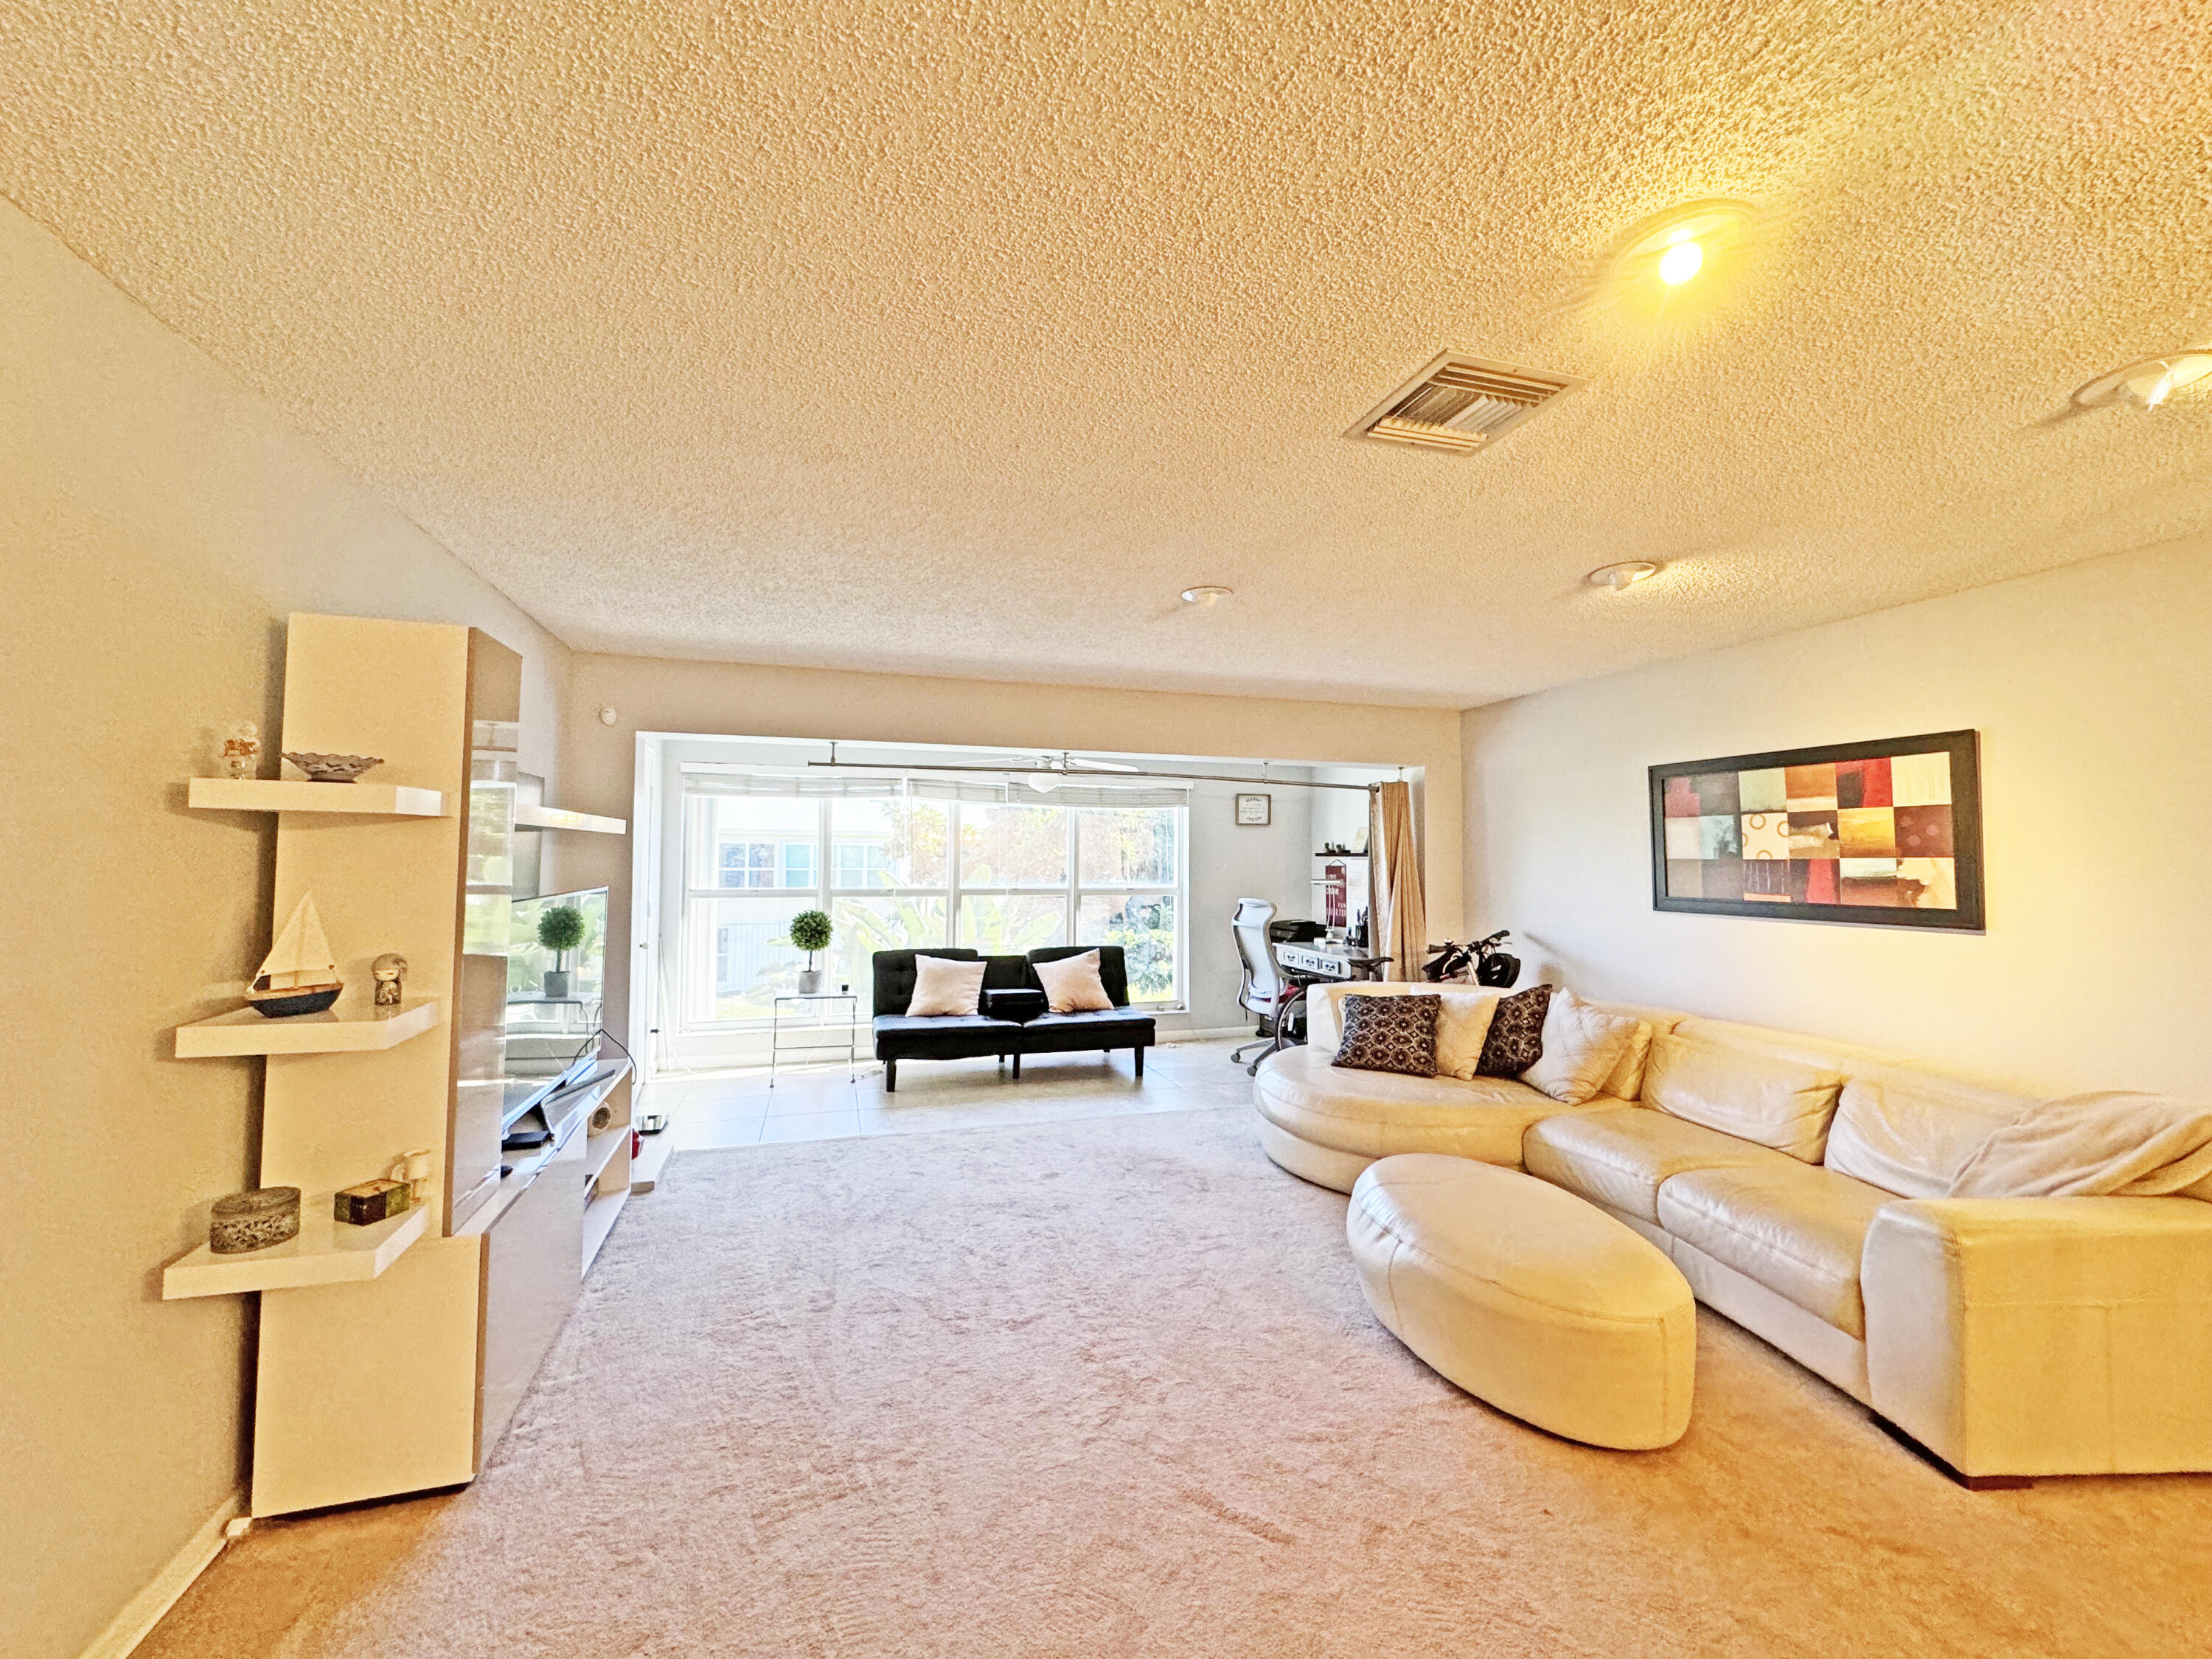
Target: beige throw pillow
(1461,1025)
(1581,1045)
(945,986)
(1072,985)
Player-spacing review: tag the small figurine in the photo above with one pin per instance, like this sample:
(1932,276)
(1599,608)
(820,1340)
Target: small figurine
(388,970)
(241,749)
(416,1170)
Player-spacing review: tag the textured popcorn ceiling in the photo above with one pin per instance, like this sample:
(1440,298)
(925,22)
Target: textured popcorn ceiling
(957,338)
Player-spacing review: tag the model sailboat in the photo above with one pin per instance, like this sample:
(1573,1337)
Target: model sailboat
(298,975)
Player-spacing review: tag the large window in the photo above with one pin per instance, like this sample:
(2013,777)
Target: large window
(907,870)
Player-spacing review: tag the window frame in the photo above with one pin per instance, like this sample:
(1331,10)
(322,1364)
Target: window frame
(823,894)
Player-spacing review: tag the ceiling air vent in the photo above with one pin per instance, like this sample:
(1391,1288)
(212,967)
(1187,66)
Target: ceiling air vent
(1461,404)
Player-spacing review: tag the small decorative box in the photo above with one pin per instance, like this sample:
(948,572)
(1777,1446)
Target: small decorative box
(254,1220)
(373,1202)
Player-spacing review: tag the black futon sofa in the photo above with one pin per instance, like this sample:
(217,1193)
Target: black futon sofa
(1012,1020)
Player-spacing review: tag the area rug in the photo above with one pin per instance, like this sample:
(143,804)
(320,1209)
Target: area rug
(1108,1387)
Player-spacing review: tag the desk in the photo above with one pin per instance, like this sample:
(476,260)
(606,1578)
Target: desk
(1320,959)
(1314,961)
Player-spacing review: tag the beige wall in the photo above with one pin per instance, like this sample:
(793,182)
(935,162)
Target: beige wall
(156,526)
(2091,688)
(728,699)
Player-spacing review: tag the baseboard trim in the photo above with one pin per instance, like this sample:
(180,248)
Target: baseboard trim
(143,1611)
(1207,1036)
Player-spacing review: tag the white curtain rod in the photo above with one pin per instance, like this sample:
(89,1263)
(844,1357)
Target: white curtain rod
(1100,776)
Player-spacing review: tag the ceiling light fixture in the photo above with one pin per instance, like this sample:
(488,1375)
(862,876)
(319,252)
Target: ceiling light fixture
(1206,597)
(1681,261)
(1679,245)
(1623,576)
(2148,383)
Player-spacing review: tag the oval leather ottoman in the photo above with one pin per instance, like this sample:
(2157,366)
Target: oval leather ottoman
(1527,1298)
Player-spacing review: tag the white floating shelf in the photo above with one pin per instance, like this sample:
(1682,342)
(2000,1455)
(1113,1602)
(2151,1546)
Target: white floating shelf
(559,817)
(326,1252)
(342,1030)
(288,795)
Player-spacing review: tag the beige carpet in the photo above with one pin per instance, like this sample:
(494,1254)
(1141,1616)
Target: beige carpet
(1108,1387)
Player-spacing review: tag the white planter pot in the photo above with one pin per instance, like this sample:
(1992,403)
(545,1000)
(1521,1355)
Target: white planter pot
(810,981)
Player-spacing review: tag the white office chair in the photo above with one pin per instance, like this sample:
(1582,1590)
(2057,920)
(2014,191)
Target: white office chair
(1265,992)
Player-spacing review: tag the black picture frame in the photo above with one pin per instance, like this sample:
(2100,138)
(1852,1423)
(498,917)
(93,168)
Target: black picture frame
(1266,810)
(1963,749)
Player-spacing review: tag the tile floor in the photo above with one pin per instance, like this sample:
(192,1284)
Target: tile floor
(738,1108)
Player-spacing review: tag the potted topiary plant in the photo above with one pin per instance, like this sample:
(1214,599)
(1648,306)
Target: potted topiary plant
(560,930)
(810,932)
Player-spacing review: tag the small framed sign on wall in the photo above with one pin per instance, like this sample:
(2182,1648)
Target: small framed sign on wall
(1255,810)
(1886,834)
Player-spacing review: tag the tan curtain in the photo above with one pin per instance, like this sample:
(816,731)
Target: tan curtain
(1401,916)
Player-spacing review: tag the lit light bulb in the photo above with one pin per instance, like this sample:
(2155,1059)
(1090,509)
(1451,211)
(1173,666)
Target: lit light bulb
(1679,262)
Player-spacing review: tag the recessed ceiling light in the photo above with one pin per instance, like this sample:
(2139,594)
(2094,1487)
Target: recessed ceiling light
(1621,577)
(1206,597)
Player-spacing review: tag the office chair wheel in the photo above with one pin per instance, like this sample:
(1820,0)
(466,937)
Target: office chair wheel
(1264,1045)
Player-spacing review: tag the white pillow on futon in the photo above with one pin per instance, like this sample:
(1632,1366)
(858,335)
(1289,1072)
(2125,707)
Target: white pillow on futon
(945,986)
(1072,985)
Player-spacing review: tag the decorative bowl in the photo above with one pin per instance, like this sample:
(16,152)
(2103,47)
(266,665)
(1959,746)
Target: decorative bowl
(332,768)
(254,1220)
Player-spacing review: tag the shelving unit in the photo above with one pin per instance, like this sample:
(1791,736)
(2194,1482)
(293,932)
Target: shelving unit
(390,1358)
(326,1252)
(285,795)
(529,816)
(350,1028)
(601,1215)
(600,1152)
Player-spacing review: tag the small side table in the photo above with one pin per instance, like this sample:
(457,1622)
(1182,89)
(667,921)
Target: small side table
(813,1017)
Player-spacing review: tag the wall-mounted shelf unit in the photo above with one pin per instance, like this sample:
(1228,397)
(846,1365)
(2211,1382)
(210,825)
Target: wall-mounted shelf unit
(527,817)
(278,795)
(345,1030)
(326,1252)
(394,1356)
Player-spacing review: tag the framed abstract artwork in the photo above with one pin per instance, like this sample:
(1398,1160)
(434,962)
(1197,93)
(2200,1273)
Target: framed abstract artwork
(1888,834)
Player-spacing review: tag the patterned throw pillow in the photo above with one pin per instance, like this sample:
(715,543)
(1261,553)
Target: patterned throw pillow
(1516,1041)
(1390,1034)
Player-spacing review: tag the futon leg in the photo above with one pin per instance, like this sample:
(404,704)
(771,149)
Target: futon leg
(1140,1053)
(890,1077)
(1017,1068)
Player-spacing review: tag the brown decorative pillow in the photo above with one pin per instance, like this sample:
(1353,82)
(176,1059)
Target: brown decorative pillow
(1516,1041)
(1390,1034)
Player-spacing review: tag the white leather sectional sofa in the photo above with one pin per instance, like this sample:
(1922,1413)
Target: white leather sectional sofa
(2011,1337)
